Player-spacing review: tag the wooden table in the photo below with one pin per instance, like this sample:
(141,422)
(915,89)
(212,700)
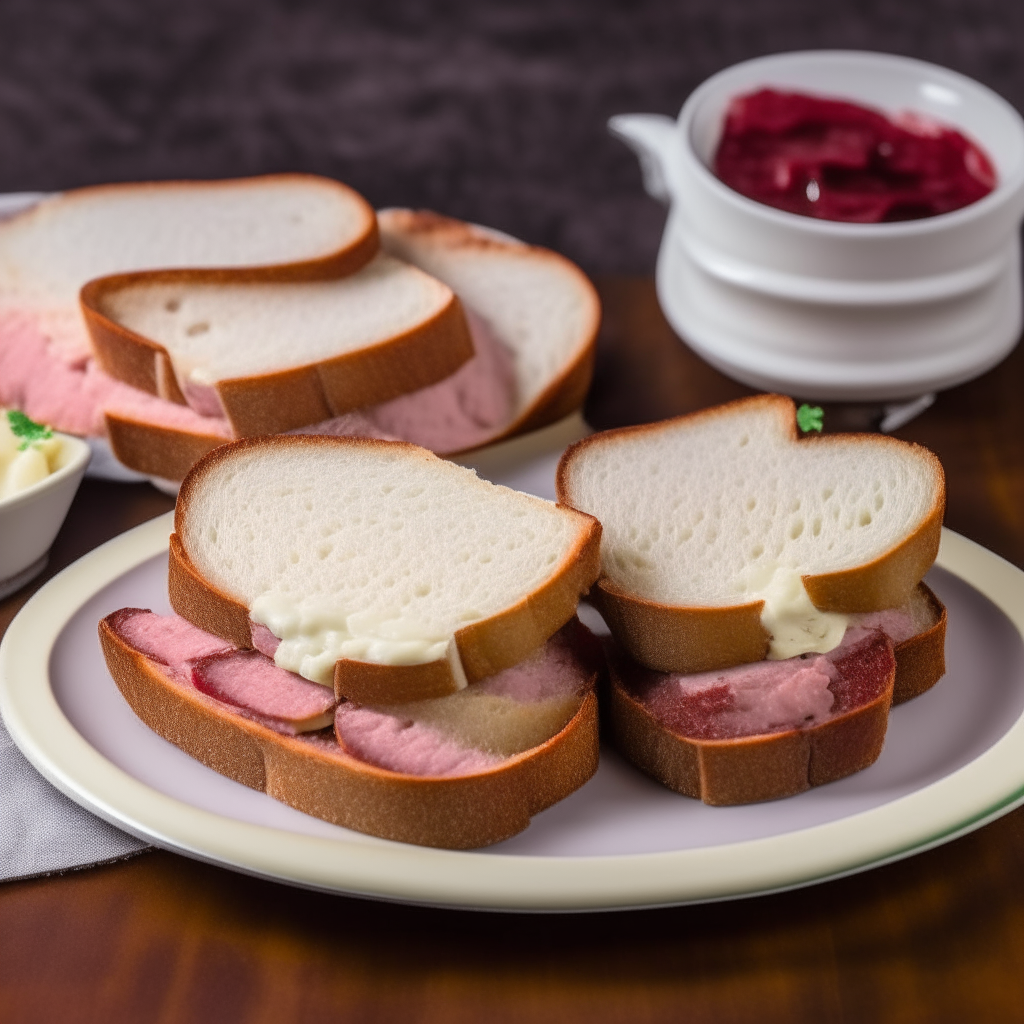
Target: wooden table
(939,937)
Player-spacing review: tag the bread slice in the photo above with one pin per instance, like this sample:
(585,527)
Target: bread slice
(296,226)
(272,356)
(487,799)
(533,317)
(536,303)
(698,746)
(695,509)
(400,575)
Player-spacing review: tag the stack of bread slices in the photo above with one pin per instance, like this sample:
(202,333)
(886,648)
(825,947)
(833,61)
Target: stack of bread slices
(373,635)
(764,592)
(173,317)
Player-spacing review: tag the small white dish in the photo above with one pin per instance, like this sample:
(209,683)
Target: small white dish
(30,519)
(824,309)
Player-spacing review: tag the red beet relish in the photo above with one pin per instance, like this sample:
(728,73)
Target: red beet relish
(839,161)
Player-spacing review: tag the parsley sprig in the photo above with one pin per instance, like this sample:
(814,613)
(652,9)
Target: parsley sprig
(810,417)
(28,430)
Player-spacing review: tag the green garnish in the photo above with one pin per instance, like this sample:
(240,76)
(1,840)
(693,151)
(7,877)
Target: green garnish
(28,430)
(810,417)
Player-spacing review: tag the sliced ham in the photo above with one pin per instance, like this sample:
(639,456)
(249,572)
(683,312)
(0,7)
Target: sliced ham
(481,726)
(401,745)
(772,696)
(248,682)
(524,705)
(252,683)
(61,385)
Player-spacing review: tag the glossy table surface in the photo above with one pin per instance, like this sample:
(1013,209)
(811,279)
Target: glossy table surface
(938,937)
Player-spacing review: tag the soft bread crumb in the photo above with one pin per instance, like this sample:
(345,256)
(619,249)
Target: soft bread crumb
(714,497)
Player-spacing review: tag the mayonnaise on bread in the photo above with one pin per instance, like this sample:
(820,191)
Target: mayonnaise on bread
(788,616)
(315,633)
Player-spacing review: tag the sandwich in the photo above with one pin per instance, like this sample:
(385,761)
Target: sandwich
(98,288)
(764,593)
(372,635)
(531,314)
(295,226)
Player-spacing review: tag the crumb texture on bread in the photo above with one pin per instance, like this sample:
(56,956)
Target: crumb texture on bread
(693,508)
(51,250)
(216,330)
(380,542)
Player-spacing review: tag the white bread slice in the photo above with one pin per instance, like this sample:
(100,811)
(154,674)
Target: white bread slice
(693,507)
(536,302)
(532,302)
(314,774)
(414,547)
(297,225)
(276,355)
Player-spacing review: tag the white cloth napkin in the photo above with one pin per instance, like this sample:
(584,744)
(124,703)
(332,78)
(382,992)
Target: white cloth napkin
(42,831)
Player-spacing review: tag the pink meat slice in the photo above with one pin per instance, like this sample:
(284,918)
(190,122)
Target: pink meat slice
(465,409)
(400,745)
(556,670)
(167,639)
(61,386)
(770,696)
(262,639)
(249,684)
(562,668)
(247,681)
(256,686)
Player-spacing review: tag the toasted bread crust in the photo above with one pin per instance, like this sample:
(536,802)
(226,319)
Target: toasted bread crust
(157,450)
(485,647)
(921,660)
(752,768)
(455,813)
(693,638)
(289,398)
(203,604)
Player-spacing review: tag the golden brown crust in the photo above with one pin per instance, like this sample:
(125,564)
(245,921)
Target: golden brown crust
(687,638)
(289,398)
(322,780)
(203,604)
(752,768)
(157,450)
(663,636)
(366,682)
(485,647)
(921,660)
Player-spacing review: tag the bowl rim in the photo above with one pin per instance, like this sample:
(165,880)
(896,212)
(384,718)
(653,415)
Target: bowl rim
(80,455)
(1007,188)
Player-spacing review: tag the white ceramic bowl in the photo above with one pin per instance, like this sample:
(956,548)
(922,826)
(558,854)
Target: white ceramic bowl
(829,310)
(30,519)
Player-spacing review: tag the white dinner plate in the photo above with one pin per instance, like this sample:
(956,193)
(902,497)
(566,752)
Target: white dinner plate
(953,760)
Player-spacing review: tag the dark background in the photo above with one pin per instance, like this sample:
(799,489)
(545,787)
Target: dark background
(490,111)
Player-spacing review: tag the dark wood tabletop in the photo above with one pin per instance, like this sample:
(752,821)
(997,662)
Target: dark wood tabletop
(938,937)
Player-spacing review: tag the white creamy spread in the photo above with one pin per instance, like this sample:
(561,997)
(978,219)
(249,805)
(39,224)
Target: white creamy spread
(24,463)
(794,624)
(315,633)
